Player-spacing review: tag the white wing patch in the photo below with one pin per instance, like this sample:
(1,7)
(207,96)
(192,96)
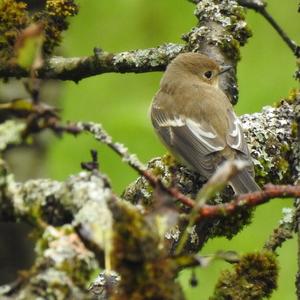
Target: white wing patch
(176,122)
(235,131)
(165,121)
(188,132)
(203,135)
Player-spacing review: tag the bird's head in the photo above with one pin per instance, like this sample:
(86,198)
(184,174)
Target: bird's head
(196,66)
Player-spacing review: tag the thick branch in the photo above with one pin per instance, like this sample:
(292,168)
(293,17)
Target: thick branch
(220,31)
(77,68)
(74,206)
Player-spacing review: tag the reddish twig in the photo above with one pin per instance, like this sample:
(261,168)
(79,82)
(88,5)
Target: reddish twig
(172,191)
(269,192)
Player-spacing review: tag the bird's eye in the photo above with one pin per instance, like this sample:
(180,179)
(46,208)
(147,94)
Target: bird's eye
(208,74)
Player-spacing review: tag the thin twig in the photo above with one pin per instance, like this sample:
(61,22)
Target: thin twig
(292,45)
(260,7)
(269,192)
(283,232)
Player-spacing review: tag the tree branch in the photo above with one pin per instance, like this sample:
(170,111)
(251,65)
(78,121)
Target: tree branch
(283,232)
(219,33)
(260,7)
(269,192)
(77,68)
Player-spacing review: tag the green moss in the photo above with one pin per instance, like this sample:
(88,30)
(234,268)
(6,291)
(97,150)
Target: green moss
(283,165)
(61,8)
(228,226)
(294,95)
(67,254)
(13,18)
(54,18)
(221,24)
(253,278)
(231,48)
(272,165)
(169,160)
(171,173)
(294,129)
(139,258)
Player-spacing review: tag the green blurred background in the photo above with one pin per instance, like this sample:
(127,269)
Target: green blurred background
(120,102)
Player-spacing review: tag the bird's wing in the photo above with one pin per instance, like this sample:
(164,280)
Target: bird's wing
(191,141)
(235,137)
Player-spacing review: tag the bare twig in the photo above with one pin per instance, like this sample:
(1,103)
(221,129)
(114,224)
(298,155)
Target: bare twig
(260,7)
(269,192)
(283,232)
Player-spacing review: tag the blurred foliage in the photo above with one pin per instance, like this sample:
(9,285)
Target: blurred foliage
(13,18)
(17,17)
(120,102)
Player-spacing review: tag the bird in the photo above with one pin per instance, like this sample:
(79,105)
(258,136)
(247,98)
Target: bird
(196,122)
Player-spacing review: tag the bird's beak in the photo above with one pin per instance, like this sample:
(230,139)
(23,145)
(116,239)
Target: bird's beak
(224,68)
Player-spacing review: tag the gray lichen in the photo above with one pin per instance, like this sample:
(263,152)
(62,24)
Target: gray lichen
(61,270)
(105,284)
(10,133)
(288,216)
(36,198)
(220,32)
(148,57)
(77,68)
(79,207)
(269,135)
(283,232)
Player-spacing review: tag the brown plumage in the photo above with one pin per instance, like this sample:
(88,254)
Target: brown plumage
(196,121)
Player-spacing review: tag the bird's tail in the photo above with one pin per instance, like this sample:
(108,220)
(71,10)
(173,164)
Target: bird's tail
(244,183)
